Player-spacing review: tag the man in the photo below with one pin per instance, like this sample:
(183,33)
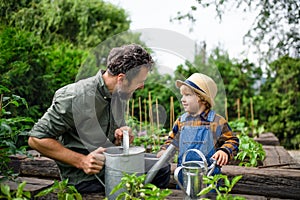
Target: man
(87,116)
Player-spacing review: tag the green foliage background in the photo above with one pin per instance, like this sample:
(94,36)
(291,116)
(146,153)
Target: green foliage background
(43,44)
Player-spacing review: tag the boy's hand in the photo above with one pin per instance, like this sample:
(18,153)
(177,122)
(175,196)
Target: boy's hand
(221,157)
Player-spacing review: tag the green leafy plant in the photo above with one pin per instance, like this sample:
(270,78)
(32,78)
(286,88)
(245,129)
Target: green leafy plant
(223,190)
(135,189)
(18,194)
(149,137)
(63,191)
(11,129)
(250,151)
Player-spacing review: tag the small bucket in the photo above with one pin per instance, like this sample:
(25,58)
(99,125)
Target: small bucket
(117,163)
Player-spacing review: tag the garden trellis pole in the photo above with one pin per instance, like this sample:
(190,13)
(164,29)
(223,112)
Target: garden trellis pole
(140,112)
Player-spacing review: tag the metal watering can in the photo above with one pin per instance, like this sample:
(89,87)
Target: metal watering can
(192,174)
(119,160)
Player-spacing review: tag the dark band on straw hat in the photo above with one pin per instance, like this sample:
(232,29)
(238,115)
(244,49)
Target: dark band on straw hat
(194,85)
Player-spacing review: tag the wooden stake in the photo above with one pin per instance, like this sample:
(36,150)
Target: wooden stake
(145,110)
(157,114)
(150,109)
(171,112)
(140,110)
(132,108)
(252,114)
(157,120)
(151,117)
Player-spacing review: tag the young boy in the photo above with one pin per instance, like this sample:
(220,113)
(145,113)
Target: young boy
(200,127)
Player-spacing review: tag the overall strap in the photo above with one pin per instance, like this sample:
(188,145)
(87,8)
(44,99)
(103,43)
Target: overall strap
(183,117)
(213,124)
(211,116)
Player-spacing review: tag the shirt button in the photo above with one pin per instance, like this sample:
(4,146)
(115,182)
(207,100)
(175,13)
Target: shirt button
(105,97)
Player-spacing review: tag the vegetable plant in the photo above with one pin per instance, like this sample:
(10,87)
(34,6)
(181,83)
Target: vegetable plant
(222,191)
(63,191)
(135,189)
(250,151)
(18,194)
(149,136)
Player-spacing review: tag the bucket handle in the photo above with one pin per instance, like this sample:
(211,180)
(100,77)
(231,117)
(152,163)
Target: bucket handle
(212,167)
(199,153)
(209,169)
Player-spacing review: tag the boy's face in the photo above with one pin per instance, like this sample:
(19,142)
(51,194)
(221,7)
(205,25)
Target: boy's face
(190,100)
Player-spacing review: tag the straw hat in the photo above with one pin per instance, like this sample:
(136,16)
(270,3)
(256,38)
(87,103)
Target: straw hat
(201,84)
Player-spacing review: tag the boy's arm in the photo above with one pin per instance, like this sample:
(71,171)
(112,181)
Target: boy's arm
(172,135)
(227,141)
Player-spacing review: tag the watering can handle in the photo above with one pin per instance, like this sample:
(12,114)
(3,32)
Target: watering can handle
(199,153)
(176,175)
(212,167)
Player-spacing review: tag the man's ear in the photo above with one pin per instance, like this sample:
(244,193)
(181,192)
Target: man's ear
(121,77)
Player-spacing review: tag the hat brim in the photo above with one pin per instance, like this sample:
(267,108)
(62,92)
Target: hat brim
(179,83)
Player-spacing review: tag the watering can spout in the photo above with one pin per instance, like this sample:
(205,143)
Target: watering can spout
(166,157)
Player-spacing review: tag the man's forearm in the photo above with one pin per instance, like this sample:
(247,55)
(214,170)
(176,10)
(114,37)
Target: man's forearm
(53,149)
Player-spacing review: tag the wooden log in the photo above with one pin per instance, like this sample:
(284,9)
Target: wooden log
(278,156)
(267,139)
(32,184)
(39,166)
(269,182)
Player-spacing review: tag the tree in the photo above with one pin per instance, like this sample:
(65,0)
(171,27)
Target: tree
(275,31)
(34,71)
(83,23)
(281,106)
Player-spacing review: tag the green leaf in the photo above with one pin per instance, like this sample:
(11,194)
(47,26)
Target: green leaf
(205,190)
(227,182)
(45,192)
(20,189)
(5,189)
(235,180)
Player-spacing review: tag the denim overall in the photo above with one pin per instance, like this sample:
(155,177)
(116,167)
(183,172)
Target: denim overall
(197,137)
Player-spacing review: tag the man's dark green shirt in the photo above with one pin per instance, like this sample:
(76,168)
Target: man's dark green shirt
(83,116)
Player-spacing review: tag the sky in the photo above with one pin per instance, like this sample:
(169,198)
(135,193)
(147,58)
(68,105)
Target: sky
(157,14)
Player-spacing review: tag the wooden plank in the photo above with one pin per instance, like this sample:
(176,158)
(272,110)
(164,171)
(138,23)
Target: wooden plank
(267,139)
(277,156)
(178,195)
(269,182)
(39,166)
(32,184)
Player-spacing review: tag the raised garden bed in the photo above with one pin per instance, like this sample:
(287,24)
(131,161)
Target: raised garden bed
(277,177)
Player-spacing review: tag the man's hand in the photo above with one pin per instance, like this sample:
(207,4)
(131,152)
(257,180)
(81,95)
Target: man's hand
(94,161)
(119,135)
(221,157)
(160,153)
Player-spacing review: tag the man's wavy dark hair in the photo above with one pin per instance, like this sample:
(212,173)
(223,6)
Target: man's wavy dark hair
(128,59)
